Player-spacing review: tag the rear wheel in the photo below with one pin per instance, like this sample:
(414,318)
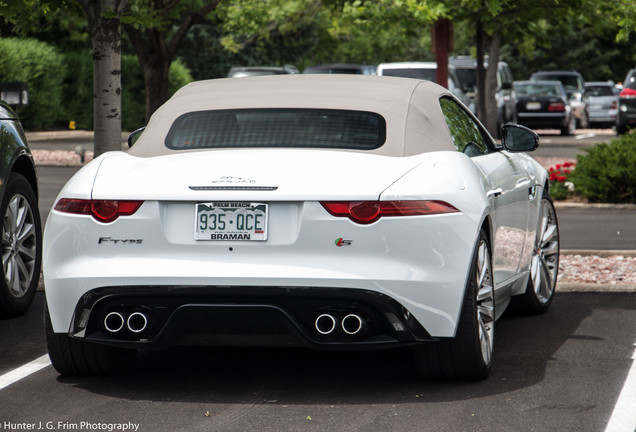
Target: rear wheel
(468,355)
(544,266)
(76,357)
(21,239)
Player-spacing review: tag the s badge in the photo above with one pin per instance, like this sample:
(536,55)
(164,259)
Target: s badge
(342,242)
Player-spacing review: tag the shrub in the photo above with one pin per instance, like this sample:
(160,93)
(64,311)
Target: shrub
(606,172)
(42,67)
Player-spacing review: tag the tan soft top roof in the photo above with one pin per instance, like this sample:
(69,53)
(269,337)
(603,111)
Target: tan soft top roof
(415,123)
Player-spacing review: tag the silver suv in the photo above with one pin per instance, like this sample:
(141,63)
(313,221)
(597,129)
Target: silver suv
(466,69)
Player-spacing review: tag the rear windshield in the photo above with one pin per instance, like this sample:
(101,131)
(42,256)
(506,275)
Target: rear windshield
(312,128)
(537,90)
(594,90)
(570,82)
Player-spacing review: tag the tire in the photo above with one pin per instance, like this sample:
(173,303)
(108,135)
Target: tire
(74,357)
(467,356)
(544,266)
(21,238)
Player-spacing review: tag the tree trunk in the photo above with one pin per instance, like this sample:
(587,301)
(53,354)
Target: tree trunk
(441,42)
(106,39)
(156,72)
(480,76)
(492,86)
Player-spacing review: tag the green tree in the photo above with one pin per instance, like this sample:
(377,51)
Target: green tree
(156,29)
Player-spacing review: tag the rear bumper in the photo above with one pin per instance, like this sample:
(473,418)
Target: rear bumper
(318,318)
(543,120)
(421,263)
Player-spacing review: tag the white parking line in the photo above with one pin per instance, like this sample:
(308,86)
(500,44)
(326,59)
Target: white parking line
(624,416)
(24,371)
(587,135)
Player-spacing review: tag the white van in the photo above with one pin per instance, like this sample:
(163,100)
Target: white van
(427,71)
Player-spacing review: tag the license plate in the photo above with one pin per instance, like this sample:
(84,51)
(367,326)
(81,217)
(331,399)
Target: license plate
(533,105)
(231,221)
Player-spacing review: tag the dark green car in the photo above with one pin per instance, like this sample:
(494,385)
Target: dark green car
(21,226)
(626,117)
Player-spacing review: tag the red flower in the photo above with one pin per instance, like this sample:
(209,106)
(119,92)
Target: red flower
(561,179)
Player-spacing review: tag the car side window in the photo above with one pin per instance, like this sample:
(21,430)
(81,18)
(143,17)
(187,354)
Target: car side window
(467,135)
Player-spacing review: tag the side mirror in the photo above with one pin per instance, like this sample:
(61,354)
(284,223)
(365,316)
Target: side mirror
(133,137)
(517,138)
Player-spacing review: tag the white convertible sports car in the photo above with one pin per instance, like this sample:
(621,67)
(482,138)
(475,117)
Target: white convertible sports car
(322,211)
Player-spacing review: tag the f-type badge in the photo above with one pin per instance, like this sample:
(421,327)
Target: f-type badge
(342,242)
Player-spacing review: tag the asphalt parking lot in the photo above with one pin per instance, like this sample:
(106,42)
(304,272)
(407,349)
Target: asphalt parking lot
(567,370)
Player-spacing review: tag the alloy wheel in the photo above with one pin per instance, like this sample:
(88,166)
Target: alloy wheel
(19,245)
(485,302)
(545,260)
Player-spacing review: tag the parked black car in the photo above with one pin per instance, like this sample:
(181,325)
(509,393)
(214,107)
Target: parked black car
(574,85)
(544,105)
(21,232)
(626,117)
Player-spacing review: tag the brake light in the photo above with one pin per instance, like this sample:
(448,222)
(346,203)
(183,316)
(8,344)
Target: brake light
(104,211)
(628,93)
(557,106)
(367,212)
(614,105)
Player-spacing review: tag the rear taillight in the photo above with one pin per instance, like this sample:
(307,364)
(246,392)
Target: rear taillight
(614,105)
(366,212)
(101,210)
(557,107)
(627,93)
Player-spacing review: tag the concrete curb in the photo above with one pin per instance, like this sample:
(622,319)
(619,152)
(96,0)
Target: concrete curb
(599,288)
(599,253)
(609,206)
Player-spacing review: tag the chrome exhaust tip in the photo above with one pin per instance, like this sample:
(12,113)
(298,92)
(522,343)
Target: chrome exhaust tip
(114,322)
(137,322)
(352,324)
(325,324)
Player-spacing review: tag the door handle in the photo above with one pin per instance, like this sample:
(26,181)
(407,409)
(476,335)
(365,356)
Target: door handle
(494,192)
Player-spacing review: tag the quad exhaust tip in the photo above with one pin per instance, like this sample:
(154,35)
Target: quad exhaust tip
(114,322)
(325,324)
(351,324)
(136,322)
